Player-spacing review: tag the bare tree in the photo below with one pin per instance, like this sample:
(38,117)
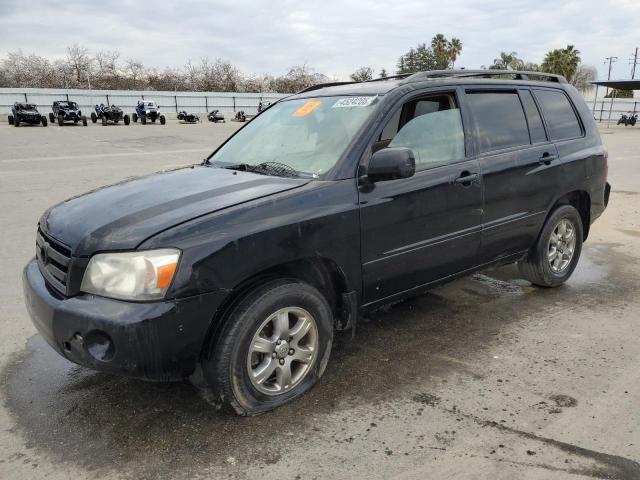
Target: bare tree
(80,62)
(584,75)
(135,69)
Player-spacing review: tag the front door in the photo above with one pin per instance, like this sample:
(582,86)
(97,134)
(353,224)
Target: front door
(421,229)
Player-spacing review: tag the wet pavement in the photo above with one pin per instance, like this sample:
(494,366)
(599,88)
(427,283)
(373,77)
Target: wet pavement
(486,377)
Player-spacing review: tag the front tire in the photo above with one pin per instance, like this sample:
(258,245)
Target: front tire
(135,117)
(94,117)
(104,121)
(60,120)
(43,120)
(51,118)
(127,120)
(272,347)
(554,257)
(10,119)
(143,120)
(84,121)
(163,120)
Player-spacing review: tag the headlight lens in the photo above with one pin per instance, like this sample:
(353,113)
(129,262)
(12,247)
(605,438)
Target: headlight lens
(144,275)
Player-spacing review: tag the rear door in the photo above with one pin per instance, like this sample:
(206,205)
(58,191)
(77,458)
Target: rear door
(519,166)
(417,230)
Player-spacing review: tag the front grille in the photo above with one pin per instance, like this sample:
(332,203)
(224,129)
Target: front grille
(54,259)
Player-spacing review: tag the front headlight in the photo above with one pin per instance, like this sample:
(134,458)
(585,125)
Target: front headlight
(147,111)
(144,275)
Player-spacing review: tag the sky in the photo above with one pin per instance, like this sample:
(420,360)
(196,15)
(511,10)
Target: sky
(332,37)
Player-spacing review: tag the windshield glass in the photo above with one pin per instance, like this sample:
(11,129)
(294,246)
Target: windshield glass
(309,135)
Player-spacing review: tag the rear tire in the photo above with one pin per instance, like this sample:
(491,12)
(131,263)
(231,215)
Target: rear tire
(60,120)
(104,121)
(94,117)
(127,120)
(554,257)
(43,120)
(84,121)
(10,119)
(162,120)
(135,117)
(252,380)
(51,118)
(16,122)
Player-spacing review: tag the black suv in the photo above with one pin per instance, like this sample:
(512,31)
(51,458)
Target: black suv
(331,202)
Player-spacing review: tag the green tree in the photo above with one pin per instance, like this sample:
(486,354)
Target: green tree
(562,61)
(506,61)
(383,73)
(441,55)
(619,93)
(363,74)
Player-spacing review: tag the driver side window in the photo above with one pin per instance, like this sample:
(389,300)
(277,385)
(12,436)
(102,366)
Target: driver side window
(431,126)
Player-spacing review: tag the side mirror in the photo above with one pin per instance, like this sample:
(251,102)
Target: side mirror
(391,163)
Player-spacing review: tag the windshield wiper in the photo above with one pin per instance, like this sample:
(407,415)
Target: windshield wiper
(276,169)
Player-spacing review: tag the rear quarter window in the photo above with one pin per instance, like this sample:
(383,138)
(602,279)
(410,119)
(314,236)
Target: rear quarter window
(499,118)
(559,114)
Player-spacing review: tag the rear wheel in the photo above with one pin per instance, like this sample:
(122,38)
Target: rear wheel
(553,258)
(51,118)
(43,120)
(60,120)
(104,121)
(127,120)
(162,120)
(135,117)
(84,121)
(16,122)
(273,346)
(10,119)
(94,117)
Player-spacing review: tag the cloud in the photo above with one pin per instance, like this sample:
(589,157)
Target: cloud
(334,37)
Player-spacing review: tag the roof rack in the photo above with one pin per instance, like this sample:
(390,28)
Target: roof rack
(322,85)
(517,74)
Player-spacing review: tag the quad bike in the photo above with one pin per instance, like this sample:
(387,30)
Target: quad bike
(109,114)
(185,117)
(66,111)
(628,119)
(215,116)
(147,110)
(240,117)
(263,106)
(26,113)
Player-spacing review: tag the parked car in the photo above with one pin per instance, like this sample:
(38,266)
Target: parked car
(147,110)
(66,111)
(185,117)
(109,114)
(333,202)
(215,116)
(26,113)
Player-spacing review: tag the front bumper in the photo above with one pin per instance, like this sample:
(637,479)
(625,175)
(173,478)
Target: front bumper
(154,341)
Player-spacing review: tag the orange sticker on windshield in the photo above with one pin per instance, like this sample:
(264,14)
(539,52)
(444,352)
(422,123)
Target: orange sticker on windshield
(306,109)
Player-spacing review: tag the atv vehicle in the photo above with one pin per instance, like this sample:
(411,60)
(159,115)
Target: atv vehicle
(26,113)
(240,117)
(109,113)
(263,106)
(66,111)
(185,117)
(215,116)
(146,110)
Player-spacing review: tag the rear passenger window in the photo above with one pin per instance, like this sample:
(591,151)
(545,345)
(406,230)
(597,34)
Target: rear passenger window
(499,118)
(559,114)
(536,129)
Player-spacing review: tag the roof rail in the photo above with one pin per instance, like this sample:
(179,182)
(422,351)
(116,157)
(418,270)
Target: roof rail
(322,85)
(390,77)
(517,74)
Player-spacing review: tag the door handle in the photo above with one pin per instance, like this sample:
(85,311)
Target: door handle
(466,178)
(547,158)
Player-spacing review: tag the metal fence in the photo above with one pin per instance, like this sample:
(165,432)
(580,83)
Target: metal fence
(169,102)
(610,109)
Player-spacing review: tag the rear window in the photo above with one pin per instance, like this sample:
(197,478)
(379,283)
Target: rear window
(499,118)
(559,114)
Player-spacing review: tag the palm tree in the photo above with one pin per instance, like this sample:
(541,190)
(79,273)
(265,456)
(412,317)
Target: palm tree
(506,61)
(455,48)
(562,61)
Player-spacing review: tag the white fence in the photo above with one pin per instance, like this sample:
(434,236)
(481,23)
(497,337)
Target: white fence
(169,102)
(605,109)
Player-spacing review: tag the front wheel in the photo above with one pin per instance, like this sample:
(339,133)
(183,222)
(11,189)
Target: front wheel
(143,120)
(60,120)
(43,120)
(94,117)
(126,119)
(104,121)
(10,119)
(273,346)
(553,258)
(162,120)
(51,118)
(84,121)
(135,117)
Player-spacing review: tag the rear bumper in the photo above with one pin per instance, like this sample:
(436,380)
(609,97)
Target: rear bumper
(154,341)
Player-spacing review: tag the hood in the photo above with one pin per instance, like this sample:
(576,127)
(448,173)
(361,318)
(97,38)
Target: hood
(122,216)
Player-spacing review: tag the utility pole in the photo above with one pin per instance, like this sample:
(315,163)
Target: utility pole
(611,61)
(633,62)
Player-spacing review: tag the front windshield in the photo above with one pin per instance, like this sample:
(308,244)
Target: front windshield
(309,135)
